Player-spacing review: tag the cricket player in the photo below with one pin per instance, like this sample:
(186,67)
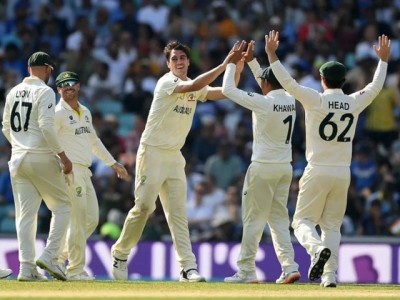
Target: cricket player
(266,187)
(36,166)
(4,273)
(73,123)
(160,164)
(331,119)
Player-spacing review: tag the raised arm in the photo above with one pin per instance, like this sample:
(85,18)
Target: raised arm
(271,44)
(383,49)
(252,62)
(372,89)
(206,78)
(307,96)
(234,56)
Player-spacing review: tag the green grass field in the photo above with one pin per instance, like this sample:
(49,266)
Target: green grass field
(12,289)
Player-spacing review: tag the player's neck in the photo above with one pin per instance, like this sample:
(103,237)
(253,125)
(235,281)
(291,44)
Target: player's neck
(74,104)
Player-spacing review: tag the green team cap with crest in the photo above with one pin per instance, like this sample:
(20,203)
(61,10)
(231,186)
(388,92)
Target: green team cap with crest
(333,70)
(67,76)
(268,75)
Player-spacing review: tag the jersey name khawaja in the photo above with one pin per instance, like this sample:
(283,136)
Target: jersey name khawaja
(273,120)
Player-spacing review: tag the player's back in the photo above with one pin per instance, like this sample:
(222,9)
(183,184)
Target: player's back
(273,121)
(331,116)
(330,129)
(28,104)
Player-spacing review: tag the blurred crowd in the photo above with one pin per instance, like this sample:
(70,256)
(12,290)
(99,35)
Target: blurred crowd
(116,46)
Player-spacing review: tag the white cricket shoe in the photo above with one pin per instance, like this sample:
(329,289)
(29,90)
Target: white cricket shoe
(119,269)
(318,263)
(4,273)
(62,266)
(31,275)
(288,278)
(52,267)
(191,275)
(83,276)
(241,277)
(328,284)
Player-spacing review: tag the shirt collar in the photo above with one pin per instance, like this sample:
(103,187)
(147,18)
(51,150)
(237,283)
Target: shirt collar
(67,106)
(333,91)
(276,92)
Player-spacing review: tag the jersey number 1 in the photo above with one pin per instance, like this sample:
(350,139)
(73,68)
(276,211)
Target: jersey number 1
(289,120)
(16,116)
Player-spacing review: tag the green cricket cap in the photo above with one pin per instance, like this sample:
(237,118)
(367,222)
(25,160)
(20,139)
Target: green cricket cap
(67,76)
(333,70)
(267,74)
(39,59)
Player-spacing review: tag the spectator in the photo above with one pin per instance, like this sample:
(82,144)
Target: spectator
(224,166)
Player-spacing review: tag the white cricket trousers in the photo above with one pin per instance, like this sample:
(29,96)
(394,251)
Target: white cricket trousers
(83,222)
(264,200)
(158,172)
(322,200)
(39,177)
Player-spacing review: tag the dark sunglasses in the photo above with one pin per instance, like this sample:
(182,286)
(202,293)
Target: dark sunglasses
(67,83)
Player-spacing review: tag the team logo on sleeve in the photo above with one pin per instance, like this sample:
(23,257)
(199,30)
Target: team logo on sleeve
(250,94)
(143,179)
(78,191)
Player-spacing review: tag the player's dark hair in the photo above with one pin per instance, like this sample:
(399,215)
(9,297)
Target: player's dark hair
(334,84)
(175,45)
(275,85)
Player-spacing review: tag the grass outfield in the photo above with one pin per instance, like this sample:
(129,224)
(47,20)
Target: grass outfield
(12,289)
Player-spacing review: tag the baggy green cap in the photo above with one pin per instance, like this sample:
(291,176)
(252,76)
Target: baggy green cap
(333,70)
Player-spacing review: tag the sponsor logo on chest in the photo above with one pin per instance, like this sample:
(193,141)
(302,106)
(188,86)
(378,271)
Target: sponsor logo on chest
(78,129)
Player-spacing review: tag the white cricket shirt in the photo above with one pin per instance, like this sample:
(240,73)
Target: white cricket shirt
(28,118)
(171,114)
(273,118)
(78,137)
(331,116)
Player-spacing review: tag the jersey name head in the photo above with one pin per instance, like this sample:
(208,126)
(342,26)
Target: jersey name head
(338,105)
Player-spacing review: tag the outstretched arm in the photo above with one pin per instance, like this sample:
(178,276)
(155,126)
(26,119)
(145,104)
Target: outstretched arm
(383,49)
(370,92)
(253,63)
(206,78)
(307,96)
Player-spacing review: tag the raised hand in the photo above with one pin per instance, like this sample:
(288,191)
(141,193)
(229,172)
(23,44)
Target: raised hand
(383,50)
(271,42)
(249,54)
(230,54)
(237,52)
